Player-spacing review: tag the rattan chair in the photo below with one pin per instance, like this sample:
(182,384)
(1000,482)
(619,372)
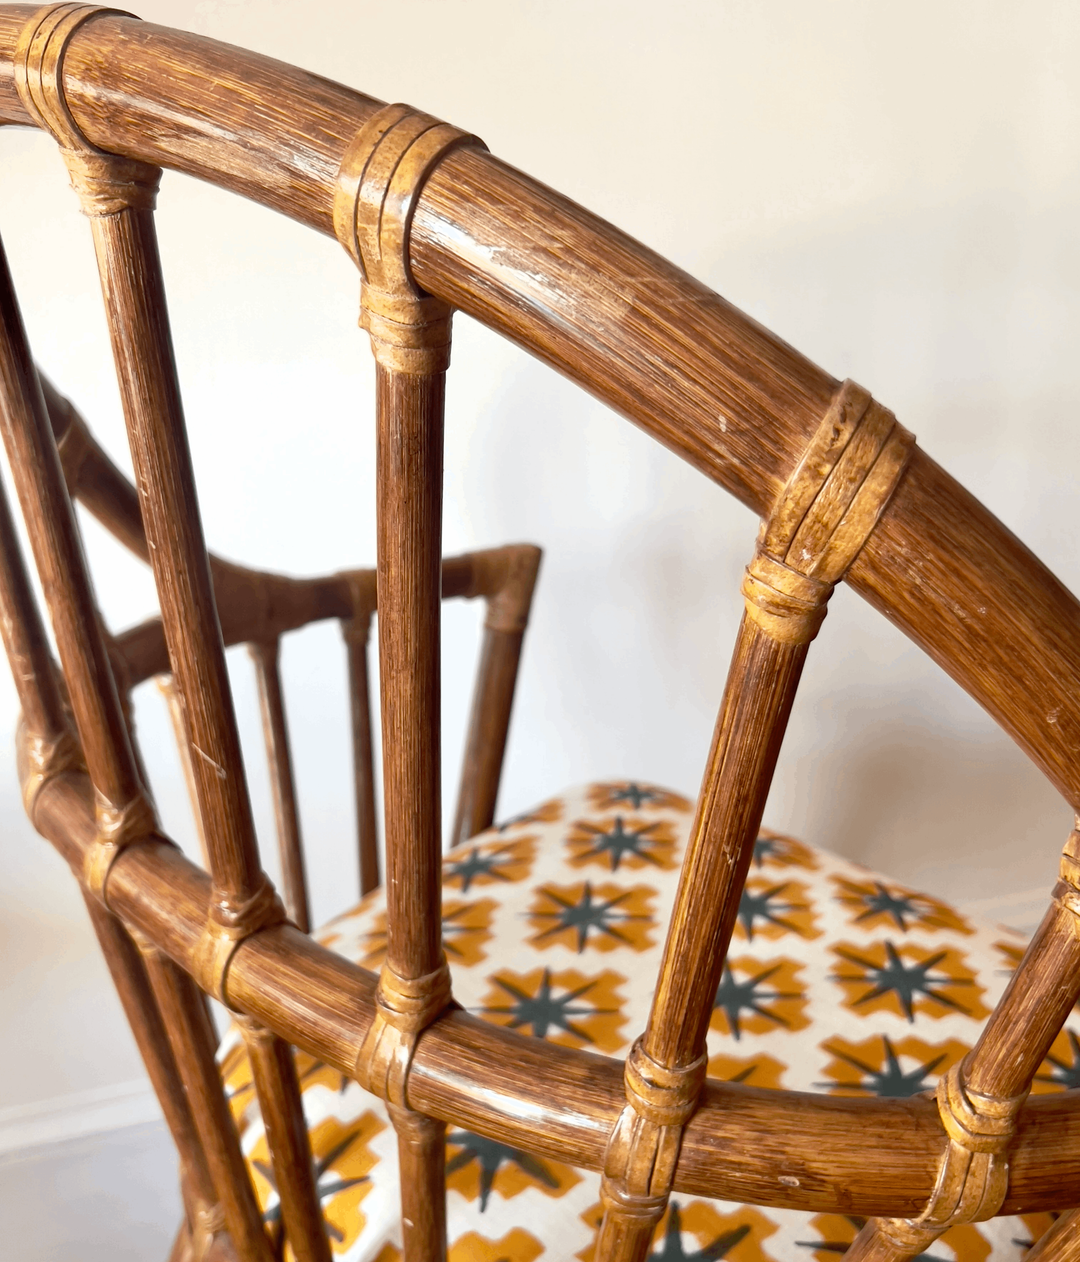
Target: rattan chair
(435,223)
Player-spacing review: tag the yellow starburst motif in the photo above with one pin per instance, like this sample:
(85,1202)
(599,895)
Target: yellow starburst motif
(829,1236)
(564,1006)
(696,1231)
(906,979)
(882,1066)
(546,813)
(879,905)
(1011,953)
(489,863)
(771,909)
(622,841)
(466,929)
(761,1070)
(776,850)
(343,1163)
(516,1246)
(479,1168)
(621,795)
(585,916)
(757,996)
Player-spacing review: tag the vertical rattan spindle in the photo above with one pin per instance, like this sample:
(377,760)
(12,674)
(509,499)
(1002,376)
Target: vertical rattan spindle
(356,631)
(380,179)
(266,657)
(817,526)
(979,1100)
(505,620)
(118,195)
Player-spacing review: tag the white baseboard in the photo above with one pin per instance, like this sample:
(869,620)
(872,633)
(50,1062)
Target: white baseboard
(80,1113)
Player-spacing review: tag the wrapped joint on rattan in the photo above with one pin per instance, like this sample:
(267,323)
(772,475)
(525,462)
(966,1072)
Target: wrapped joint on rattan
(639,1164)
(1067,890)
(404,1008)
(105,183)
(972,1178)
(381,175)
(825,514)
(228,925)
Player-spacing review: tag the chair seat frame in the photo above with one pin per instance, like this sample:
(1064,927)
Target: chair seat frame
(672,357)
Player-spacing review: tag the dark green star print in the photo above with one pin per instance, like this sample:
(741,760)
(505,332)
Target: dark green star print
(635,794)
(475,864)
(736,997)
(326,1184)
(906,981)
(766,906)
(489,1155)
(1064,1074)
(620,841)
(586,916)
(890,1081)
(764,848)
(898,906)
(671,1247)
(545,1010)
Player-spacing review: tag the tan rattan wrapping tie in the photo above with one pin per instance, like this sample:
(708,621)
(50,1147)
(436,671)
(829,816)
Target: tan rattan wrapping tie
(106,183)
(379,182)
(404,1008)
(825,514)
(973,1176)
(40,760)
(639,1164)
(1067,889)
(228,926)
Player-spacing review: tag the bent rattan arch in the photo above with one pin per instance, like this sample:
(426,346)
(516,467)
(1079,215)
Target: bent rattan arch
(673,357)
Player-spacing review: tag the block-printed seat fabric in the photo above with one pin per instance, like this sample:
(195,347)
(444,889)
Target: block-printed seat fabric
(838,980)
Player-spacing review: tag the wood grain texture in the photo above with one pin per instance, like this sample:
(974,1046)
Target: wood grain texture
(667,352)
(193,1045)
(282,782)
(128,971)
(409,412)
(57,549)
(356,630)
(872,1156)
(727,396)
(133,290)
(282,1114)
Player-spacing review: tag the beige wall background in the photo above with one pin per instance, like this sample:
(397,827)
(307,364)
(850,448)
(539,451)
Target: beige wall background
(894,189)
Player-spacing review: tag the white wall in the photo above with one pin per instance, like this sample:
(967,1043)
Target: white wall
(894,189)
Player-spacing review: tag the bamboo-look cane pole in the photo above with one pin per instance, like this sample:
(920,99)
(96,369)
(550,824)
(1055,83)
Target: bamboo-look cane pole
(380,178)
(118,195)
(817,526)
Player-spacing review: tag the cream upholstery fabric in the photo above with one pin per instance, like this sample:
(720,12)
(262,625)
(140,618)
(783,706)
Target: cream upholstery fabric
(838,980)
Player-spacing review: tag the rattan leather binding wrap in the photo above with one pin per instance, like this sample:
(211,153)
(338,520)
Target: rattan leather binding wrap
(973,1176)
(825,514)
(228,925)
(381,175)
(639,1165)
(404,1008)
(105,183)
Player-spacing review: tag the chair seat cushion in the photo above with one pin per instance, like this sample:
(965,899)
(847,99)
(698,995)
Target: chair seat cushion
(838,980)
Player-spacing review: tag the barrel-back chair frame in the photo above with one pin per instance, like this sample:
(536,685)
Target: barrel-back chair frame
(436,223)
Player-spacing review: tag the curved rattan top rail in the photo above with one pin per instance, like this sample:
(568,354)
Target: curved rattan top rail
(673,357)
